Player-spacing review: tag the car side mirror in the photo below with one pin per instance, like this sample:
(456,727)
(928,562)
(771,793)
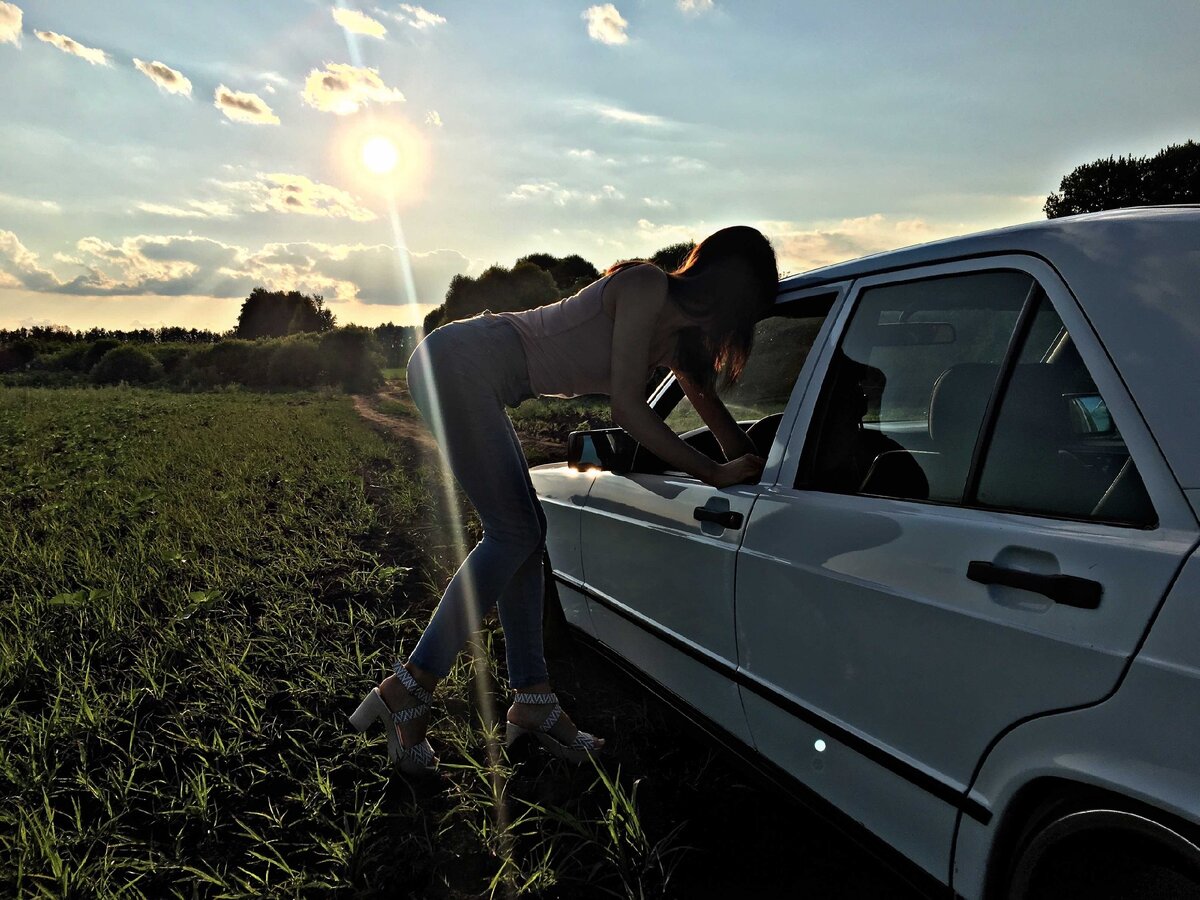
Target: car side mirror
(607,449)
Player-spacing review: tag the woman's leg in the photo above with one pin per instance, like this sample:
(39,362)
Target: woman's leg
(520,606)
(476,438)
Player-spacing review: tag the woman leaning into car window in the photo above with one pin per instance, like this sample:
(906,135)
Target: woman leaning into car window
(605,339)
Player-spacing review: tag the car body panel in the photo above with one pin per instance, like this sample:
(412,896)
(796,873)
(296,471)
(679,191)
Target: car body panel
(644,551)
(1121,745)
(563,492)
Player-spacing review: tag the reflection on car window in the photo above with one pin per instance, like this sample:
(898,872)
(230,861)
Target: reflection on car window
(781,345)
(1056,449)
(906,392)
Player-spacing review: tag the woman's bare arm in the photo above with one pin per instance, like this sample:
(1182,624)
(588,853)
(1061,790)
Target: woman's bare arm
(640,293)
(729,434)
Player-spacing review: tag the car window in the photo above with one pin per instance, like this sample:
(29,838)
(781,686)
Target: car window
(1056,448)
(907,389)
(781,345)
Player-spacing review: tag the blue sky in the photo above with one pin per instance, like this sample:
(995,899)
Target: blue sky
(607,130)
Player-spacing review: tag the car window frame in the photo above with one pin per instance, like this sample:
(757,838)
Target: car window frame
(1166,495)
(668,393)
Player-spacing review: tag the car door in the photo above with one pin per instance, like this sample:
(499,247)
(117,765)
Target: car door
(972,527)
(658,547)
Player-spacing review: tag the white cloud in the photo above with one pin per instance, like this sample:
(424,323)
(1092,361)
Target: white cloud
(555,193)
(27,204)
(694,7)
(10,24)
(242,107)
(617,114)
(21,265)
(279,192)
(195,209)
(358,23)
(417,17)
(605,24)
(74,48)
(433,118)
(170,80)
(590,156)
(175,265)
(801,246)
(343,89)
(656,202)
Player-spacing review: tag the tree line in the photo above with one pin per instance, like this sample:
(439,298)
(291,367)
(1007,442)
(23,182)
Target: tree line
(283,339)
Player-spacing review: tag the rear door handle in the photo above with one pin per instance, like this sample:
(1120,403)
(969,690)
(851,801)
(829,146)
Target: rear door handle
(726,517)
(1069,590)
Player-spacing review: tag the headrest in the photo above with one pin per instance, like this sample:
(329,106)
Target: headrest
(958,401)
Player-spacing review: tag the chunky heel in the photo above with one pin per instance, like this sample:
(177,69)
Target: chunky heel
(418,759)
(368,711)
(512,731)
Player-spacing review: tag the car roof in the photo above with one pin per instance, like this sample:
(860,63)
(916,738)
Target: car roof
(1136,275)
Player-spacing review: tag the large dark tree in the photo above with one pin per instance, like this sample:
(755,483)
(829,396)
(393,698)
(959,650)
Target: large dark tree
(524,286)
(1170,176)
(570,273)
(276,314)
(671,257)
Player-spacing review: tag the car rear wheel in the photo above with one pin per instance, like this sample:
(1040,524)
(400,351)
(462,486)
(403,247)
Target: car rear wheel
(1106,855)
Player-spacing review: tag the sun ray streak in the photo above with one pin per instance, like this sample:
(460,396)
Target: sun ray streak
(483,681)
(408,290)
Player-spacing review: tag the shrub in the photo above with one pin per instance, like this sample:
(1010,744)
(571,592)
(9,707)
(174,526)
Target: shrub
(96,350)
(70,359)
(170,355)
(351,358)
(127,363)
(230,360)
(16,355)
(295,362)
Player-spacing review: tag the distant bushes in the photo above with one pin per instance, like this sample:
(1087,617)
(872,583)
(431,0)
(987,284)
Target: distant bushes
(128,363)
(349,358)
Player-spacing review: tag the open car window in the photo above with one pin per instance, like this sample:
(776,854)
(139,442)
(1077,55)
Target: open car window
(782,342)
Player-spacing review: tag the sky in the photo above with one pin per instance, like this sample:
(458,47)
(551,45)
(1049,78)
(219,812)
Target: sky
(159,160)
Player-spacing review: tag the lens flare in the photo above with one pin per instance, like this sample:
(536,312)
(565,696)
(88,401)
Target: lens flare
(380,155)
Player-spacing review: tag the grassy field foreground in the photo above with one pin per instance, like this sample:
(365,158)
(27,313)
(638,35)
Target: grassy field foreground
(194,591)
(187,594)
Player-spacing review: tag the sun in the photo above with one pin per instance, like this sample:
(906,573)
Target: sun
(385,156)
(379,154)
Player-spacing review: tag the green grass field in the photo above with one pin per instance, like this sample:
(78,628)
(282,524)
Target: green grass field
(196,590)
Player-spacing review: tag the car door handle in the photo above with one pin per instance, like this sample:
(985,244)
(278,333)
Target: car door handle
(725,517)
(1069,590)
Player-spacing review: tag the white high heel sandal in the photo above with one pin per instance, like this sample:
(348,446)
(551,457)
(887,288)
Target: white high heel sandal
(417,759)
(577,751)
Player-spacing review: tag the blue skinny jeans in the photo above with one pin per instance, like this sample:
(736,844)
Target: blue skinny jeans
(461,377)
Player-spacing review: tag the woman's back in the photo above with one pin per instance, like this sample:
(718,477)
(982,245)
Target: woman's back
(568,344)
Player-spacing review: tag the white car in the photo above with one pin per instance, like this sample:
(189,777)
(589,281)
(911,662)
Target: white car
(961,610)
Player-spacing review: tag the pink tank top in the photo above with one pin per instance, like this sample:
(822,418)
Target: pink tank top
(568,344)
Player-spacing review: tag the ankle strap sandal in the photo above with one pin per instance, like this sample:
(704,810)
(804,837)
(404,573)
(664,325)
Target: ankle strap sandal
(418,759)
(577,751)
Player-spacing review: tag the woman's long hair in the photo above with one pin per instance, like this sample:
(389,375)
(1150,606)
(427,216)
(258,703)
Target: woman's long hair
(722,342)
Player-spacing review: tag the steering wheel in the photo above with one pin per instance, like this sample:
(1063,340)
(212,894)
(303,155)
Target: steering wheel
(762,433)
